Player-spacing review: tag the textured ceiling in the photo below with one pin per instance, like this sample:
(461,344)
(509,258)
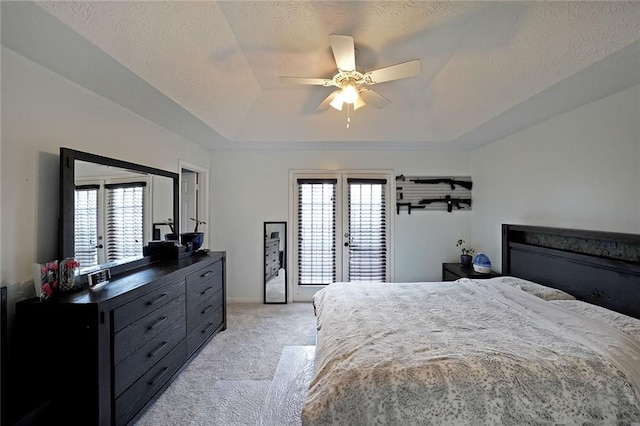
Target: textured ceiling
(488,68)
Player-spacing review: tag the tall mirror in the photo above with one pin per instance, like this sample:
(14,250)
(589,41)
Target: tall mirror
(111,209)
(275,258)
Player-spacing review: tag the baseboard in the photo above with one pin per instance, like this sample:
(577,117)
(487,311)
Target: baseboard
(250,300)
(243,300)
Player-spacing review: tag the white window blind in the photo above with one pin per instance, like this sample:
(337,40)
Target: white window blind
(86,225)
(316,231)
(367,230)
(125,220)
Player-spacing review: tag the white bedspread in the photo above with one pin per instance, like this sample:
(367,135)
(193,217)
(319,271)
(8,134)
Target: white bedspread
(465,352)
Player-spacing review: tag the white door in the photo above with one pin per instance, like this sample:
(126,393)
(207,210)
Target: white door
(341,230)
(188,200)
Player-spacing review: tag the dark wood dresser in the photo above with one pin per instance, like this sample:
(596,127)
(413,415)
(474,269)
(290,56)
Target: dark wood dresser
(102,357)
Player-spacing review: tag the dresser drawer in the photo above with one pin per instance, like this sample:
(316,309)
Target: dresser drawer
(131,338)
(203,284)
(204,330)
(272,245)
(131,401)
(138,308)
(131,368)
(203,311)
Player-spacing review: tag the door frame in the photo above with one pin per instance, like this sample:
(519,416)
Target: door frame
(305,294)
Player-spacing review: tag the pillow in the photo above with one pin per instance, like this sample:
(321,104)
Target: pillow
(543,292)
(621,322)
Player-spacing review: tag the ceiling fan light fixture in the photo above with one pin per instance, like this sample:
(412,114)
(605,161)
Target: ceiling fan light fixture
(359,102)
(349,93)
(349,80)
(337,101)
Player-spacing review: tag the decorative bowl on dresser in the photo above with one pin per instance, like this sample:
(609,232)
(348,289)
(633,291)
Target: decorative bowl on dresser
(102,357)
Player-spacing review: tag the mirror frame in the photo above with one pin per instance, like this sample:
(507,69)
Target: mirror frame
(284,263)
(66,225)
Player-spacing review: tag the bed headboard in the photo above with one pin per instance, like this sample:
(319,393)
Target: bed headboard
(601,268)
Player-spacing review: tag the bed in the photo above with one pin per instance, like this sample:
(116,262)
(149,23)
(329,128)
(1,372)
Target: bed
(556,340)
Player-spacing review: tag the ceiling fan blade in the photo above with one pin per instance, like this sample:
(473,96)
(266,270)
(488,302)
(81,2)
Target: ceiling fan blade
(327,101)
(304,80)
(394,72)
(371,97)
(343,51)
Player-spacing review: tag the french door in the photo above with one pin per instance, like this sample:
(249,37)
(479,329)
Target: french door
(109,220)
(341,230)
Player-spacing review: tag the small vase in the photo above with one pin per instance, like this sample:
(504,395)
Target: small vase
(466,259)
(67,271)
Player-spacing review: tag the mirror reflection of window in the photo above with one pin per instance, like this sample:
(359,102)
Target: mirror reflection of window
(124,220)
(86,225)
(117,211)
(121,236)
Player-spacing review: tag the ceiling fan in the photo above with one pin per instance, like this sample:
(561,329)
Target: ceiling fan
(351,82)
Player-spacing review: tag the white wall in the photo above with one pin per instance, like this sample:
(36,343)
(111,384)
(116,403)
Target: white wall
(249,188)
(41,112)
(577,170)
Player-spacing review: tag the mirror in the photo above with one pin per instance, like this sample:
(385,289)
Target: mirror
(275,258)
(110,209)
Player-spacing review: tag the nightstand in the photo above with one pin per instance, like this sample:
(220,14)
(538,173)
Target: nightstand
(454,271)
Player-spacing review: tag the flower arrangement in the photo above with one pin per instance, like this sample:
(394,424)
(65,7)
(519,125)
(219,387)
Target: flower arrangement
(48,279)
(53,277)
(465,250)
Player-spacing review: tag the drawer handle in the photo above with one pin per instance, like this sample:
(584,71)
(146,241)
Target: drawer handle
(206,290)
(155,324)
(155,299)
(155,351)
(207,328)
(206,274)
(207,309)
(159,374)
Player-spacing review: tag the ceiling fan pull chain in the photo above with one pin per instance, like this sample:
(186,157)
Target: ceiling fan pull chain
(348,117)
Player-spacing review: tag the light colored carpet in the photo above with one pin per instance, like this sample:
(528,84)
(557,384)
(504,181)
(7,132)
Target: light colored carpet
(275,287)
(227,383)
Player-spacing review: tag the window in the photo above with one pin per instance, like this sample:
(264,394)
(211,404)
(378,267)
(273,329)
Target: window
(367,227)
(316,231)
(125,220)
